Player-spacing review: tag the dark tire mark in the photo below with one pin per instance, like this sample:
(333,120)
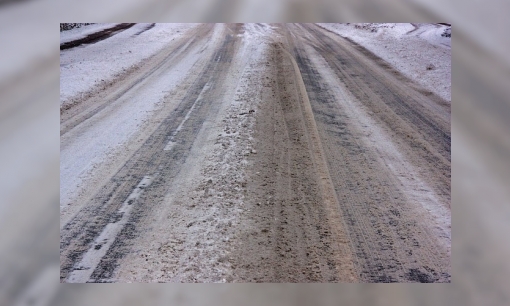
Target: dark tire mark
(95,37)
(150,26)
(416,27)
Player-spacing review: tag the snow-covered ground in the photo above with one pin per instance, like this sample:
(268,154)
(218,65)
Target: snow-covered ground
(419,51)
(82,70)
(83,31)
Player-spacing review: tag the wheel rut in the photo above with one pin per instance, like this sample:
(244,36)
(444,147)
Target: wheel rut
(96,37)
(302,238)
(390,242)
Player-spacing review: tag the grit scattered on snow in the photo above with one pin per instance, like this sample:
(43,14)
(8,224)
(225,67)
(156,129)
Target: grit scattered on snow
(82,70)
(419,51)
(192,235)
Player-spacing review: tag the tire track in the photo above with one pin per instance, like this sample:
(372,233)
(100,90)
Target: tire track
(96,37)
(147,28)
(337,228)
(301,239)
(416,119)
(389,242)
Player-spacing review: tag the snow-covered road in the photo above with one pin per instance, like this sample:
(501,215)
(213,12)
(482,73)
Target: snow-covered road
(255,153)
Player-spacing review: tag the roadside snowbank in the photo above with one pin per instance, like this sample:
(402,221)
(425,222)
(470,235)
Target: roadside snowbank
(419,51)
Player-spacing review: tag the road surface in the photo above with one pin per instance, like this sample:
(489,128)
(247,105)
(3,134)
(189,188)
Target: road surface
(255,153)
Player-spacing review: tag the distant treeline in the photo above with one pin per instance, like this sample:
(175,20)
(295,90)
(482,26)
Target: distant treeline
(69,26)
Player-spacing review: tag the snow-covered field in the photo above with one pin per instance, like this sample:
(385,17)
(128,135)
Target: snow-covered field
(81,70)
(419,51)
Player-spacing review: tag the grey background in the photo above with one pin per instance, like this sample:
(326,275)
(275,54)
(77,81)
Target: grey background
(29,151)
